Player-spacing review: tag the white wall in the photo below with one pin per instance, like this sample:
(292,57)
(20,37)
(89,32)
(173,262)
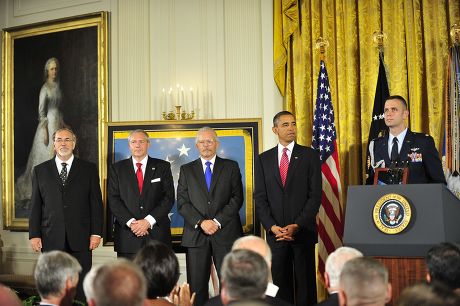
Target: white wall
(222,49)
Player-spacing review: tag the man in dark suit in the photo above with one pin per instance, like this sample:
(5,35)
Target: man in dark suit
(140,196)
(287,199)
(67,206)
(209,197)
(414,150)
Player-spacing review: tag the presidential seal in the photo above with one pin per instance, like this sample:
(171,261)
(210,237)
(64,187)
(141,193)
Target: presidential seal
(392,213)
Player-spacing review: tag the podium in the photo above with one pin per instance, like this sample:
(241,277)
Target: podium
(434,218)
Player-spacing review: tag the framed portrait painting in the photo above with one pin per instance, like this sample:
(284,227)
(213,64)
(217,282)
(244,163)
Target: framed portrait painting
(54,76)
(174,141)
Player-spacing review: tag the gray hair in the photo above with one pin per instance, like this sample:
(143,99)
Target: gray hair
(119,283)
(47,66)
(254,243)
(364,280)
(74,137)
(206,129)
(244,275)
(335,262)
(52,271)
(130,136)
(88,282)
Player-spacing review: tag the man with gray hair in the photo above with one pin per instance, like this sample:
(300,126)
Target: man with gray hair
(209,197)
(140,194)
(364,281)
(334,265)
(244,277)
(117,283)
(56,277)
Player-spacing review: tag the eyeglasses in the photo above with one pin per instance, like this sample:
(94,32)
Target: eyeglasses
(63,140)
(206,142)
(142,141)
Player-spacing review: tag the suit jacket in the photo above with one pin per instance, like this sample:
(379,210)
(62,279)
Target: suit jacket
(297,202)
(73,211)
(419,151)
(268,300)
(222,202)
(126,202)
(332,300)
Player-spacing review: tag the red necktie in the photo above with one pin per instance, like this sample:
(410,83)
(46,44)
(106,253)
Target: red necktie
(140,177)
(284,165)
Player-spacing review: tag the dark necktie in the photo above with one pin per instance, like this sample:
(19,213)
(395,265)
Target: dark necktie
(63,173)
(140,177)
(394,150)
(208,175)
(284,165)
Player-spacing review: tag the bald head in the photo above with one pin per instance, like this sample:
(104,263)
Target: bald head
(255,244)
(8,297)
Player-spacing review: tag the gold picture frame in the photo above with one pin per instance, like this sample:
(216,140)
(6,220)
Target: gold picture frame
(36,101)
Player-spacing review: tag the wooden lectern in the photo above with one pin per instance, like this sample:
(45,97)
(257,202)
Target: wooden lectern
(434,214)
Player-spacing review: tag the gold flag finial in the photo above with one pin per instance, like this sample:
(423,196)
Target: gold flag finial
(379,38)
(455,34)
(322,44)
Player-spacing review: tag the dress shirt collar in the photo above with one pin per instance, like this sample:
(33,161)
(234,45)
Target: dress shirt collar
(212,160)
(59,162)
(143,162)
(290,147)
(400,137)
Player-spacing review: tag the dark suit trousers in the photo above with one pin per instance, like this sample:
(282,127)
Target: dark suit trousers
(85,260)
(199,268)
(293,271)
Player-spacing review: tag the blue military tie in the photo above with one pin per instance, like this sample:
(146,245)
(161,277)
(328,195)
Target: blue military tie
(208,174)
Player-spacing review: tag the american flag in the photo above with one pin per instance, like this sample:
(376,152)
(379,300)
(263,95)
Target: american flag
(330,226)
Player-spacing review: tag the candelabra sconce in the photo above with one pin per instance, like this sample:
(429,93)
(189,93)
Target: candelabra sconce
(179,114)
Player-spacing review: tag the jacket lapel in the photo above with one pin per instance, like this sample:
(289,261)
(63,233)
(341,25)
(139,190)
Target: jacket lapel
(73,173)
(276,166)
(383,151)
(148,175)
(216,171)
(292,164)
(129,168)
(407,143)
(53,169)
(199,173)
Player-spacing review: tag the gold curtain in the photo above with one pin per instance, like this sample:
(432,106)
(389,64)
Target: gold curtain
(416,54)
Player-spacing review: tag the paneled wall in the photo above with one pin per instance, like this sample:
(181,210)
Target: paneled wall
(216,53)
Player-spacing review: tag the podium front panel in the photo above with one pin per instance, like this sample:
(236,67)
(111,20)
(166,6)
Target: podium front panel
(435,218)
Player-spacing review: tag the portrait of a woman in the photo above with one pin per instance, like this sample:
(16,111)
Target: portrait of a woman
(50,118)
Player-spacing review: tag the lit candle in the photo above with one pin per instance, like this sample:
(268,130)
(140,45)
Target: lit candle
(164,106)
(177,94)
(170,102)
(192,107)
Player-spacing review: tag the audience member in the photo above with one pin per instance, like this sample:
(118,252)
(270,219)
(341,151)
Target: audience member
(261,247)
(432,294)
(88,282)
(334,265)
(161,270)
(443,264)
(56,277)
(8,297)
(244,277)
(364,281)
(118,283)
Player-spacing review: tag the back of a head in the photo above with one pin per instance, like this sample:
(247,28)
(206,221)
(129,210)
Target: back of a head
(244,275)
(119,283)
(432,294)
(8,297)
(160,267)
(443,263)
(335,262)
(52,271)
(255,244)
(364,281)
